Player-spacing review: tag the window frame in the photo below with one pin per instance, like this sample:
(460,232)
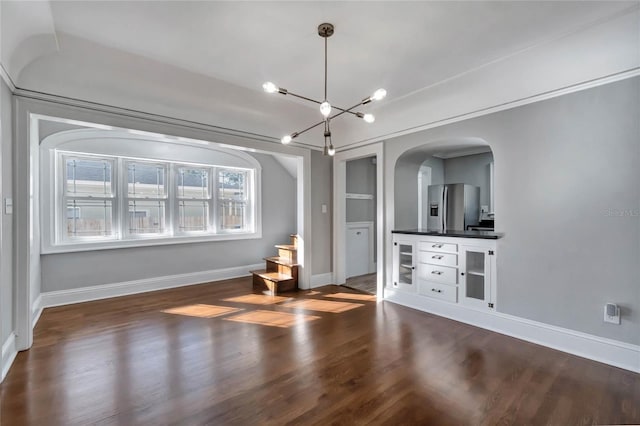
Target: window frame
(209,201)
(62,199)
(124,190)
(249,196)
(53,219)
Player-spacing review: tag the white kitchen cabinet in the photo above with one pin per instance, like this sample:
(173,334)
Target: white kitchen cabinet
(404,264)
(477,284)
(456,270)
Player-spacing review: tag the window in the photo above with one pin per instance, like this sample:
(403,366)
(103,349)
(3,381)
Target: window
(146,198)
(194,198)
(88,197)
(108,201)
(232,199)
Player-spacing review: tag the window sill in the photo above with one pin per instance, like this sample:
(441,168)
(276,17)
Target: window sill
(144,242)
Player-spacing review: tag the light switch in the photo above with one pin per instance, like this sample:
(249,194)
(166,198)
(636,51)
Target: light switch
(8,206)
(324,208)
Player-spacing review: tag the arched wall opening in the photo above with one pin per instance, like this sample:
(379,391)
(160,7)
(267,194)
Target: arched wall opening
(419,170)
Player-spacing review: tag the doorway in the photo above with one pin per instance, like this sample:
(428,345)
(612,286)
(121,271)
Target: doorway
(358,255)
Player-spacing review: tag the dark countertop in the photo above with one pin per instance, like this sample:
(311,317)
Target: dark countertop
(487,235)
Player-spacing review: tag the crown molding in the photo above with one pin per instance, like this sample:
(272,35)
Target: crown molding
(133,113)
(7,78)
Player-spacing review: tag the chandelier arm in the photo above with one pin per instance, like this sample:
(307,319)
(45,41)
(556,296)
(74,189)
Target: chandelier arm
(308,128)
(304,97)
(362,102)
(295,95)
(343,111)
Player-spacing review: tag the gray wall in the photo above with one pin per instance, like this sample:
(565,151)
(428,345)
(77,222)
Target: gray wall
(406,186)
(89,268)
(471,169)
(567,182)
(7,290)
(321,226)
(361,179)
(437,169)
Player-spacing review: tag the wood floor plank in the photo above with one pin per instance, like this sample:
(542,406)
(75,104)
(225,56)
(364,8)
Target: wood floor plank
(215,354)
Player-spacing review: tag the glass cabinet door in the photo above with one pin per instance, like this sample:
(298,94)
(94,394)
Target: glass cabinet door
(475,278)
(406,263)
(404,267)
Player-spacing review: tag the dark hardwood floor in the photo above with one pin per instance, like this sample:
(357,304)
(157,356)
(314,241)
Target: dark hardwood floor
(217,354)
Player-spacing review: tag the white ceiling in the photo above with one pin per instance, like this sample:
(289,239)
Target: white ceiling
(226,50)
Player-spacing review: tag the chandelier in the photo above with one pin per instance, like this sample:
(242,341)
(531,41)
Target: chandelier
(325,31)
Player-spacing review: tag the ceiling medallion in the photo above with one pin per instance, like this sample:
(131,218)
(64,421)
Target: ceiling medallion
(325,31)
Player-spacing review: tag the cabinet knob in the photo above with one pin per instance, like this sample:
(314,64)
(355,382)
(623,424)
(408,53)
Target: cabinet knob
(461,273)
(413,267)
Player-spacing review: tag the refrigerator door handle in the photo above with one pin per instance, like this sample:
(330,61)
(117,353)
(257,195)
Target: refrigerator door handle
(445,206)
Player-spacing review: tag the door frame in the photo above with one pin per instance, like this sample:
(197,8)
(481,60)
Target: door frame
(340,211)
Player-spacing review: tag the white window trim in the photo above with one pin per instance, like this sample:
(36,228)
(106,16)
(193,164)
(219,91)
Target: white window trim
(52,243)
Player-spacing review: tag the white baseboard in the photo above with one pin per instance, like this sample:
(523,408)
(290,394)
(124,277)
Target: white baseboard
(36,311)
(9,352)
(608,351)
(86,294)
(322,279)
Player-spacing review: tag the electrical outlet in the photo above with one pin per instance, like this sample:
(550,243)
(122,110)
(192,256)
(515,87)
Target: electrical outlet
(612,313)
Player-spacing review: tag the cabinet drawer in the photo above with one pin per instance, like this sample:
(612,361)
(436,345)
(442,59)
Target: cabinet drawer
(441,274)
(437,246)
(437,258)
(439,291)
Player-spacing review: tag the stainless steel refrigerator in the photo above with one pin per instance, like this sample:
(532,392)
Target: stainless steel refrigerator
(453,206)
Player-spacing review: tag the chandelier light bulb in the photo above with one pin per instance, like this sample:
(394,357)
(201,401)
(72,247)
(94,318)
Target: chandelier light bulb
(378,95)
(286,139)
(331,151)
(325,109)
(269,87)
(369,118)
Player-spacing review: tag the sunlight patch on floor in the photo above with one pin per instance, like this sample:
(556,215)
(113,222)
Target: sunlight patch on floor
(352,296)
(201,310)
(257,299)
(322,305)
(272,318)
